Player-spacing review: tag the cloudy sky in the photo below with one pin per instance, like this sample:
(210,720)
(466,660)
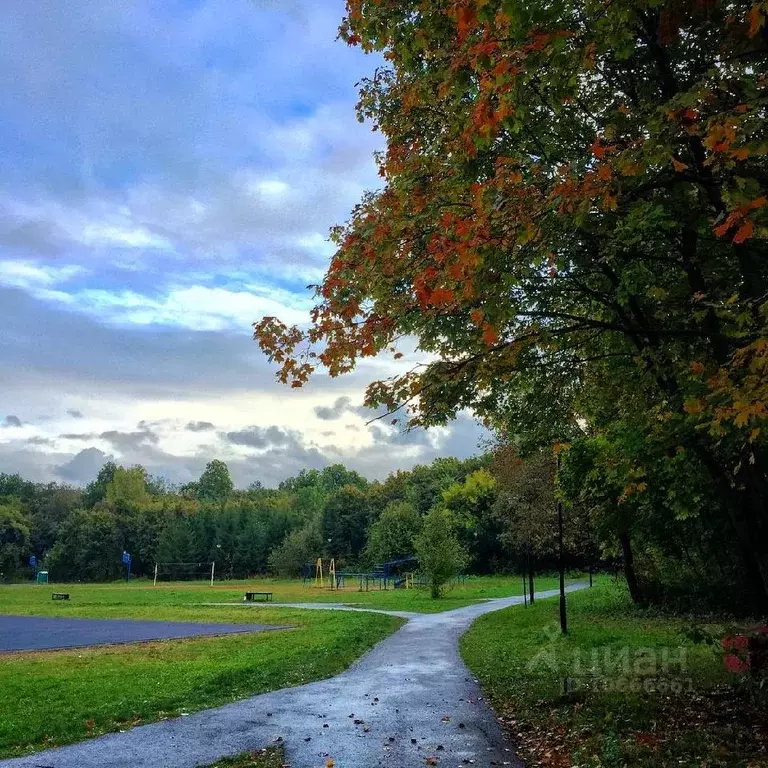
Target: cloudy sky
(169,172)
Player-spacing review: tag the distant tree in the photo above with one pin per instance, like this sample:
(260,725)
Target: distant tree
(526,502)
(250,554)
(299,547)
(175,542)
(96,490)
(472,504)
(15,527)
(88,547)
(344,522)
(127,489)
(392,536)
(440,553)
(14,486)
(49,507)
(215,483)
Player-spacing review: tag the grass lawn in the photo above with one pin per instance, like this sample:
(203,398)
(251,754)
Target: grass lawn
(104,600)
(633,699)
(50,698)
(57,697)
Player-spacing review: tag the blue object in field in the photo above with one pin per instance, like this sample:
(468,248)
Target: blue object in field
(42,577)
(33,562)
(127,564)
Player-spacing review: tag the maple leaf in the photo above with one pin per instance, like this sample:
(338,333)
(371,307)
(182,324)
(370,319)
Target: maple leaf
(755,18)
(744,232)
(490,336)
(465,19)
(693,407)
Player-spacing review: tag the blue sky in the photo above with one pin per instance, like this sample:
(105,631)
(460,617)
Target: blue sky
(169,174)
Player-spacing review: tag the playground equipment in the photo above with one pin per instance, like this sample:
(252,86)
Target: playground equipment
(184,571)
(319,579)
(401,573)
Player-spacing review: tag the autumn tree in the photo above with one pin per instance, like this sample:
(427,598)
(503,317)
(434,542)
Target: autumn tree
(573,224)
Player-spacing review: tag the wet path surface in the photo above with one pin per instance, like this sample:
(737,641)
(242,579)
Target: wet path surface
(408,699)
(39,633)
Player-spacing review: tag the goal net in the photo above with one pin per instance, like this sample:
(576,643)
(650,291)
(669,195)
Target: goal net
(185,572)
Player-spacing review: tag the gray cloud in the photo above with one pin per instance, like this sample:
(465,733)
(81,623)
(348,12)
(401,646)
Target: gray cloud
(336,411)
(83,467)
(262,437)
(75,414)
(11,421)
(124,441)
(200,426)
(37,440)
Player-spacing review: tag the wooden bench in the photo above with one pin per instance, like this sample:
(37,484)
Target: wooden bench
(60,596)
(251,597)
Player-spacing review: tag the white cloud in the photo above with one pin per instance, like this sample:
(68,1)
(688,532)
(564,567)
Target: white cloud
(198,308)
(32,275)
(101,234)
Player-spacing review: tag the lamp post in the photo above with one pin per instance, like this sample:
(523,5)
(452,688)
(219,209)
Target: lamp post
(559,506)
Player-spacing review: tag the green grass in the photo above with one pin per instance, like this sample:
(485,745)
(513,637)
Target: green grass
(689,715)
(100,600)
(57,697)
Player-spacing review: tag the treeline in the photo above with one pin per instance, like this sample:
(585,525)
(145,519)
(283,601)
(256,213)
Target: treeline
(80,534)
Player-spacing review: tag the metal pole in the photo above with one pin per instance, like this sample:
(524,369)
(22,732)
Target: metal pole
(525,588)
(563,615)
(213,569)
(154,583)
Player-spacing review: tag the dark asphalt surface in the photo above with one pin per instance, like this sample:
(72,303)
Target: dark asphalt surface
(408,699)
(38,633)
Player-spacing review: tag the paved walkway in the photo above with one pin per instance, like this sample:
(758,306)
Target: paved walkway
(45,633)
(408,699)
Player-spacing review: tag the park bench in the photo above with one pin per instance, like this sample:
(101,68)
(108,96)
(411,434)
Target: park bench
(251,597)
(60,596)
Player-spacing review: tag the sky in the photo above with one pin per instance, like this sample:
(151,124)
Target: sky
(169,173)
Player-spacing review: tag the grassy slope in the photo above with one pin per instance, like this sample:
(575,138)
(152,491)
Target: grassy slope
(702,723)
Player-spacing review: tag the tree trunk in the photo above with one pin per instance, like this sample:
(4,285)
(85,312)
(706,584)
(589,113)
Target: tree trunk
(629,569)
(744,506)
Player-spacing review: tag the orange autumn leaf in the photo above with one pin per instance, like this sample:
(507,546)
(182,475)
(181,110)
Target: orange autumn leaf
(744,233)
(490,336)
(441,297)
(465,18)
(755,18)
(679,166)
(477,316)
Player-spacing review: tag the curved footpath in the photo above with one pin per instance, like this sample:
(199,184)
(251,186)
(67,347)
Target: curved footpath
(408,699)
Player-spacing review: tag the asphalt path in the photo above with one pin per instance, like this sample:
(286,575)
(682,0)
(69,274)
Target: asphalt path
(38,633)
(410,701)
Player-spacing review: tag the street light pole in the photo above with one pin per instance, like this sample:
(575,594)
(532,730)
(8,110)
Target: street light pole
(563,614)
